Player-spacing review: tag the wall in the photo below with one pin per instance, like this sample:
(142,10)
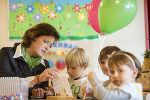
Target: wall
(130,38)
(4,24)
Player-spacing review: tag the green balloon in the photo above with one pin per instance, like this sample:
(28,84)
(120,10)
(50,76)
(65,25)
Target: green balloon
(115,14)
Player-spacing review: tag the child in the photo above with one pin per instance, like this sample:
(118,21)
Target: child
(77,62)
(103,60)
(125,69)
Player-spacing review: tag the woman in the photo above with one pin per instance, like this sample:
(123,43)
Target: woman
(25,59)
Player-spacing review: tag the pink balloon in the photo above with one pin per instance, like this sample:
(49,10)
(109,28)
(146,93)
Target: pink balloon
(92,15)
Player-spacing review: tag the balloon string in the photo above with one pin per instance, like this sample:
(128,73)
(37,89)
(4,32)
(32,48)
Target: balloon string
(102,39)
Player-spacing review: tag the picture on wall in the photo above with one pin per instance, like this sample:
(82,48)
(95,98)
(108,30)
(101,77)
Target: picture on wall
(69,17)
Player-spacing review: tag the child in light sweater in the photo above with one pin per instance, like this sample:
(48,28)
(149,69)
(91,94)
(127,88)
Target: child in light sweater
(77,62)
(125,69)
(103,61)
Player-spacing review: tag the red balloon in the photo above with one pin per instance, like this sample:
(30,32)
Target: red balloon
(92,15)
(60,64)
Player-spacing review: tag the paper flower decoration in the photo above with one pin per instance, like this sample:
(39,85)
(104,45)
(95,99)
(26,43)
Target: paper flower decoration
(44,8)
(68,16)
(86,7)
(30,24)
(29,9)
(13,7)
(81,16)
(76,8)
(52,4)
(37,17)
(14,27)
(59,8)
(60,27)
(52,15)
(20,5)
(77,26)
(68,7)
(68,32)
(21,18)
(21,33)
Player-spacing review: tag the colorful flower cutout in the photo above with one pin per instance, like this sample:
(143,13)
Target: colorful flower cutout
(37,17)
(21,18)
(44,8)
(61,27)
(30,24)
(29,9)
(52,4)
(52,15)
(59,8)
(20,5)
(77,26)
(14,27)
(68,32)
(81,16)
(21,33)
(13,7)
(76,8)
(68,7)
(37,5)
(68,15)
(86,7)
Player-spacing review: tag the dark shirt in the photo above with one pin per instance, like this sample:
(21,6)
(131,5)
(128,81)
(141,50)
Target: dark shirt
(18,67)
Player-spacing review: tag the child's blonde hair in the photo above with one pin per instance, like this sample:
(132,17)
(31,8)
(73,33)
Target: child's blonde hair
(125,58)
(76,56)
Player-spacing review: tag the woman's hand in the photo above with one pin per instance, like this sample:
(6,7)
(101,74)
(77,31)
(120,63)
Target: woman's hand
(38,93)
(49,73)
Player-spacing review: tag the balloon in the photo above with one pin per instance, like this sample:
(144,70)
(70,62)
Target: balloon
(60,64)
(92,15)
(116,14)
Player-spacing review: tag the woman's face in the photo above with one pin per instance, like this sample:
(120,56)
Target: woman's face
(40,46)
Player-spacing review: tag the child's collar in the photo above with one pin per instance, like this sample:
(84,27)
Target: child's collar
(80,77)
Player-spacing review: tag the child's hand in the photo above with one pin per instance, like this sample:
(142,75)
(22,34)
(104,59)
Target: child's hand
(87,91)
(91,75)
(38,92)
(49,90)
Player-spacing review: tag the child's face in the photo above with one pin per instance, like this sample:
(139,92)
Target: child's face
(121,74)
(75,72)
(104,67)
